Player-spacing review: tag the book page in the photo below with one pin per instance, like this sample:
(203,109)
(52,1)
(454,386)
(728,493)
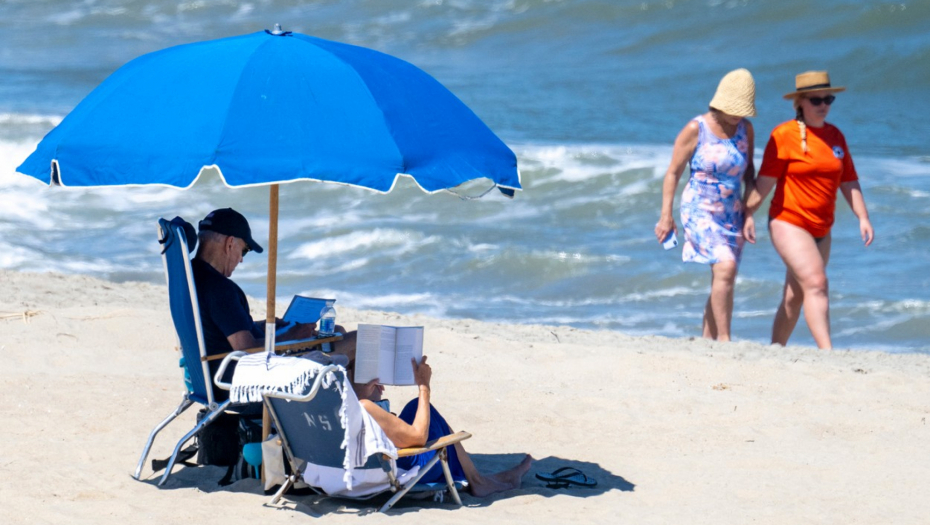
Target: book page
(409,344)
(386,357)
(368,353)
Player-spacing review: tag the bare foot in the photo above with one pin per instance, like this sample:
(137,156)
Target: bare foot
(505,480)
(515,475)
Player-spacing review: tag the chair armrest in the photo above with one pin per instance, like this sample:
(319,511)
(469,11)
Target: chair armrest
(284,347)
(436,444)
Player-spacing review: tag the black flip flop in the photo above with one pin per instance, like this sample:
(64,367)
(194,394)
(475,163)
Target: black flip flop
(564,477)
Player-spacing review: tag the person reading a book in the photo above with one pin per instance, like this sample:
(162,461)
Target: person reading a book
(224,240)
(418,423)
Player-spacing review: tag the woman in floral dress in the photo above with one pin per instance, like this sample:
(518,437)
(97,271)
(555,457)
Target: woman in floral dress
(718,147)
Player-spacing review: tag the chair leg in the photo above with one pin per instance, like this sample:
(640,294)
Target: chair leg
(409,485)
(448,473)
(207,419)
(185,404)
(288,483)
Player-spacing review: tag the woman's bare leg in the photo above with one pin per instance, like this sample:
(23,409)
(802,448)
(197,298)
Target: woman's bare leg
(709,330)
(481,485)
(789,311)
(805,283)
(346,346)
(718,312)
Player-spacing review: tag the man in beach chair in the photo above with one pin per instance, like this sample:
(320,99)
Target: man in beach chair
(225,238)
(178,239)
(196,326)
(344,447)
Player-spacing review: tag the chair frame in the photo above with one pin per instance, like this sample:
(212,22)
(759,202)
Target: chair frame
(214,409)
(439,445)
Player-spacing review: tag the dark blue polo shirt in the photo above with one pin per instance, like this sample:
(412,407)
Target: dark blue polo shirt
(224,310)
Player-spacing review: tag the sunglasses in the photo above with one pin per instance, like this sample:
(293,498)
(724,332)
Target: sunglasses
(245,247)
(816,101)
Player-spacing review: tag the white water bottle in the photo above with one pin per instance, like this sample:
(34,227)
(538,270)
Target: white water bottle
(327,320)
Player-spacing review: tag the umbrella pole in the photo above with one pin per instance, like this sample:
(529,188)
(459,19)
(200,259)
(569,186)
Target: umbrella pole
(270,306)
(272,265)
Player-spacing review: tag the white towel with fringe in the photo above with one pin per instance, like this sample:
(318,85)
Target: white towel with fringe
(258,373)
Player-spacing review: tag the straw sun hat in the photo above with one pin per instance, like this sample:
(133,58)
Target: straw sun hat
(736,94)
(813,81)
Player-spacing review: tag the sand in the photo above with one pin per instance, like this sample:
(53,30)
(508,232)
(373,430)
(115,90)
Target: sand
(673,430)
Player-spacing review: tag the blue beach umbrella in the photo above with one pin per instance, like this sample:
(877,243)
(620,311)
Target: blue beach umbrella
(268,108)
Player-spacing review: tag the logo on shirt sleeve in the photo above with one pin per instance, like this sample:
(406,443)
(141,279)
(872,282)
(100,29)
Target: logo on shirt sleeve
(838,152)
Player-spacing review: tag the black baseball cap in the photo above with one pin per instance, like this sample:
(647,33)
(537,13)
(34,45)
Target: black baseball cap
(230,222)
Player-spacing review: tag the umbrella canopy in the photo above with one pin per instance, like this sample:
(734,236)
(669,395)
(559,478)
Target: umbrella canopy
(271,107)
(267,108)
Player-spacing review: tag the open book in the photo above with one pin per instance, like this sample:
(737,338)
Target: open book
(384,352)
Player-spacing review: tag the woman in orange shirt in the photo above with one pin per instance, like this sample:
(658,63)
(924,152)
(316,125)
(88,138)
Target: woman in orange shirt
(807,161)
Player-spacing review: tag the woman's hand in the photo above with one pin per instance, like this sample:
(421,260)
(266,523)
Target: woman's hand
(749,229)
(665,225)
(421,372)
(865,229)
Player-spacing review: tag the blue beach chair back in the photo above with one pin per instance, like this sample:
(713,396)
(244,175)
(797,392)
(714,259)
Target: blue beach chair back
(178,239)
(312,430)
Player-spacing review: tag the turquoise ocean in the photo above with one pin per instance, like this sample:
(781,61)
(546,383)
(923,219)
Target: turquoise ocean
(589,94)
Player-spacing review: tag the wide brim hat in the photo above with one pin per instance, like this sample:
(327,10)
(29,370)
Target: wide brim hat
(736,94)
(813,81)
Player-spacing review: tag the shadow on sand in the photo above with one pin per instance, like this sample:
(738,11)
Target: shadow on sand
(305,502)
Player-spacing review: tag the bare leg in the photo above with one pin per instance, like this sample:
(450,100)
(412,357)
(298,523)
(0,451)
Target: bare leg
(346,346)
(805,283)
(482,485)
(789,311)
(718,312)
(710,324)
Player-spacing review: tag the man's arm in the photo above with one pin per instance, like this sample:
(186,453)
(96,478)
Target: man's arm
(401,433)
(243,339)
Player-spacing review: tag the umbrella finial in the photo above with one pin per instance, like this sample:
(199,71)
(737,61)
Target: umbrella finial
(277,31)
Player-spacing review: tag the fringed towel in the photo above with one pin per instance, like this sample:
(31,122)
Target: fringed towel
(258,373)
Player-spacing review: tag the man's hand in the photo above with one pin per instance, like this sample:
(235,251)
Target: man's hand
(369,389)
(421,372)
(300,331)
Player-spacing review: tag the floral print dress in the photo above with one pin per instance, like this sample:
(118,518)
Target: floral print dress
(711,206)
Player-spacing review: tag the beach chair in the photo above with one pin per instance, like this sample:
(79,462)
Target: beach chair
(311,426)
(185,313)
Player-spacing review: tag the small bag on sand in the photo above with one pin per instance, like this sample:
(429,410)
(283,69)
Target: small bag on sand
(273,462)
(218,442)
(276,471)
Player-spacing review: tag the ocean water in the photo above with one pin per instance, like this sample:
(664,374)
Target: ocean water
(589,94)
